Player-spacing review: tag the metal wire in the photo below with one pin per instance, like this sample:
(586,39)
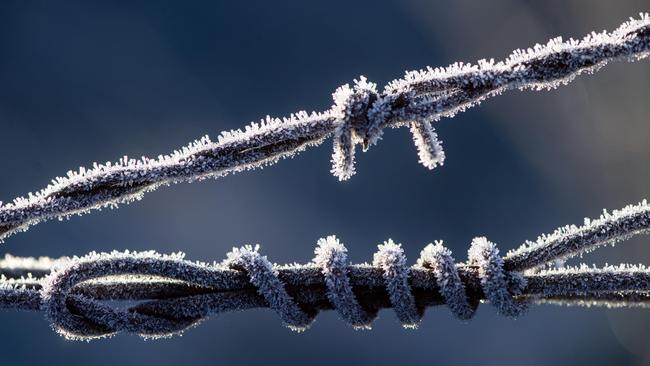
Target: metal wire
(359,115)
(172,294)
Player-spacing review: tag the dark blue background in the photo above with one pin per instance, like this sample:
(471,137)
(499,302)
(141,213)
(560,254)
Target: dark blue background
(83,82)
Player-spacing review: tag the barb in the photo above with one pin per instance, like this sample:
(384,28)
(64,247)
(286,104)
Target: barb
(359,115)
(173,294)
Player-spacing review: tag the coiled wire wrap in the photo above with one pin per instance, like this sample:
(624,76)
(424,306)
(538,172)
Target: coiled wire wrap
(173,294)
(77,316)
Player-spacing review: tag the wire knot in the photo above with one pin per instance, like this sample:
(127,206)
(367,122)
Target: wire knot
(356,125)
(361,113)
(351,109)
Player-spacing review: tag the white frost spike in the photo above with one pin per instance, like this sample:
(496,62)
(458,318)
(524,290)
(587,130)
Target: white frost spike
(429,147)
(343,155)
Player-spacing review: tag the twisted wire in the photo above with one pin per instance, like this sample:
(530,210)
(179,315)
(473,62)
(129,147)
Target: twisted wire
(391,260)
(331,257)
(173,294)
(265,279)
(359,115)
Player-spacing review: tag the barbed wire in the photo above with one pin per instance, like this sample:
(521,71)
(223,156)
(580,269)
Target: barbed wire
(172,294)
(359,115)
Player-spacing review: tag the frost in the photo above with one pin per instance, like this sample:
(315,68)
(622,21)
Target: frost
(429,147)
(331,256)
(571,240)
(265,279)
(438,259)
(358,116)
(542,67)
(391,259)
(173,294)
(485,255)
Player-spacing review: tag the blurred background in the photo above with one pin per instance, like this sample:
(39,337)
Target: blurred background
(83,82)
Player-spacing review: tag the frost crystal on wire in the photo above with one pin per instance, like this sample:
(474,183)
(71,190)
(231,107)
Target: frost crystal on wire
(173,294)
(359,116)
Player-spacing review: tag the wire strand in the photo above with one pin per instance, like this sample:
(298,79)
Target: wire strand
(173,294)
(359,115)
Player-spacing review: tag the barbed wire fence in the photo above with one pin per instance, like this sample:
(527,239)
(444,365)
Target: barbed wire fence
(174,294)
(359,116)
